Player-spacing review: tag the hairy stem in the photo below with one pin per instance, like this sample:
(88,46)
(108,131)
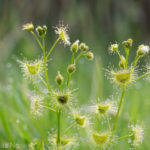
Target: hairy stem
(142,76)
(119,108)
(48,108)
(58,128)
(123,137)
(117,115)
(42,80)
(135,62)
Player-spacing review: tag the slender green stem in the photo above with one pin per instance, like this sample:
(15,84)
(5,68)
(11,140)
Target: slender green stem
(78,57)
(48,108)
(119,108)
(69,127)
(58,127)
(119,55)
(142,76)
(127,56)
(69,78)
(72,57)
(117,115)
(123,137)
(37,39)
(45,65)
(53,46)
(135,62)
(42,80)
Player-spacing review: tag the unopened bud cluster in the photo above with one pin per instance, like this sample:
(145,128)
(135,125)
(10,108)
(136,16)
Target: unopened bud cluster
(41,31)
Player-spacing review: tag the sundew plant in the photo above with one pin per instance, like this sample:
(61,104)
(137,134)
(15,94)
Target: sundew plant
(61,100)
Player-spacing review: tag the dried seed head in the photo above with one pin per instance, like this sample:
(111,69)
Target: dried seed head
(28,27)
(61,31)
(122,62)
(122,77)
(143,50)
(83,47)
(59,78)
(75,46)
(113,47)
(100,139)
(41,31)
(138,134)
(32,69)
(36,106)
(128,43)
(89,55)
(71,68)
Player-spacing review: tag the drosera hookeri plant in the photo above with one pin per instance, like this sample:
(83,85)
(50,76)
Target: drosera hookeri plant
(123,77)
(60,98)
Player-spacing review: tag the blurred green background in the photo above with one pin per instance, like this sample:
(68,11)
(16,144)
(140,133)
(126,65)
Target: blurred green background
(96,22)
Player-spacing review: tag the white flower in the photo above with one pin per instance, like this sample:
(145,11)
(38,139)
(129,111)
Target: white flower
(28,27)
(145,49)
(114,47)
(62,32)
(142,50)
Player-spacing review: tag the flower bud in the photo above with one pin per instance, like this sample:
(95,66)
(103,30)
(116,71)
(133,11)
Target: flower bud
(143,50)
(83,47)
(41,31)
(128,43)
(71,68)
(89,55)
(45,28)
(59,78)
(75,46)
(113,47)
(28,27)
